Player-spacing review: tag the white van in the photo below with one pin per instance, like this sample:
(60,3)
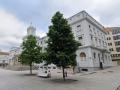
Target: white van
(45,71)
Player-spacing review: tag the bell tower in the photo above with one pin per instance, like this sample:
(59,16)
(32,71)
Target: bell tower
(31,30)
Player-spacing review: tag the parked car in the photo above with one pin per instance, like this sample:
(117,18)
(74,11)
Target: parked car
(43,71)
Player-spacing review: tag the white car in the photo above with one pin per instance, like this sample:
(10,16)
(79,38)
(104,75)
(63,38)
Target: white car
(44,72)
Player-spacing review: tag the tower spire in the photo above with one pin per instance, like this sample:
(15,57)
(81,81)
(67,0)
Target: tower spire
(31,30)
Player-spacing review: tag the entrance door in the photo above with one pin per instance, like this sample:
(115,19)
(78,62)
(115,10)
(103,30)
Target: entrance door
(100,63)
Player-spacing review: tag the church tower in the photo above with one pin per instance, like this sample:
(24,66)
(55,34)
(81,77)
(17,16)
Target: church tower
(31,30)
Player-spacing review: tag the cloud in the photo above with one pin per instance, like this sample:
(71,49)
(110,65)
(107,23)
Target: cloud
(21,12)
(12,30)
(105,11)
(41,11)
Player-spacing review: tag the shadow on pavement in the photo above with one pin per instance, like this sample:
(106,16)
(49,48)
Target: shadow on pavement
(67,81)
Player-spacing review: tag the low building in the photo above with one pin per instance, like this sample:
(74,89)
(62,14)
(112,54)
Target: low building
(13,56)
(4,58)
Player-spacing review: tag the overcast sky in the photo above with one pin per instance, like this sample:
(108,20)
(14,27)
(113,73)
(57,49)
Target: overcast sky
(16,16)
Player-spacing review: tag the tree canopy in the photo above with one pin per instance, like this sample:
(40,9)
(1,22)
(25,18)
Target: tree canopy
(31,52)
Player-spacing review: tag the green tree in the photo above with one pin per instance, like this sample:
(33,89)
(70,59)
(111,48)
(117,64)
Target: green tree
(31,52)
(62,46)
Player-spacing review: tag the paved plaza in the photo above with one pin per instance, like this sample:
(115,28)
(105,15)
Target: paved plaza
(108,79)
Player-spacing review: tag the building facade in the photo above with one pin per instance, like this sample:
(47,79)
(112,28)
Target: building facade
(4,58)
(93,53)
(13,56)
(113,39)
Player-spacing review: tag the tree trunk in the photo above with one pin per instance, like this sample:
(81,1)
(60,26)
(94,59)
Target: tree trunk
(63,73)
(73,70)
(30,68)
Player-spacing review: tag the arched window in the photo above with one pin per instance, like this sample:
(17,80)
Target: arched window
(82,56)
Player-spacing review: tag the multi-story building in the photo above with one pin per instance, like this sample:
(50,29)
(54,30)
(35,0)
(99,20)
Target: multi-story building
(113,39)
(93,53)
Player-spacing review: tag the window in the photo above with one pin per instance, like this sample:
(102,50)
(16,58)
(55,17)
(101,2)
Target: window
(116,37)
(118,49)
(91,37)
(82,56)
(109,44)
(114,55)
(94,54)
(96,40)
(89,26)
(117,43)
(80,38)
(111,49)
(115,31)
(78,26)
(108,38)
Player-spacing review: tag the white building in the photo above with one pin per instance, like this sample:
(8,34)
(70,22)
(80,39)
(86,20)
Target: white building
(13,56)
(42,43)
(93,53)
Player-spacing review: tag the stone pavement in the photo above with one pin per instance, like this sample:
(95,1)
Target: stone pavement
(108,79)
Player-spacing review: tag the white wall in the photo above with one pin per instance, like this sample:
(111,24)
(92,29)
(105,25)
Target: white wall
(4,58)
(88,61)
